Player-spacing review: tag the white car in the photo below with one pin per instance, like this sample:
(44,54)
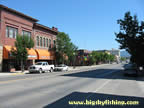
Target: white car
(61,67)
(41,67)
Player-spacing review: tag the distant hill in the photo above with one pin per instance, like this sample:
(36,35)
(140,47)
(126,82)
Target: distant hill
(124,54)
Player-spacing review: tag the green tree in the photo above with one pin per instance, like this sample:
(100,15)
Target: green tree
(92,59)
(100,57)
(131,37)
(22,43)
(105,57)
(123,59)
(65,48)
(111,58)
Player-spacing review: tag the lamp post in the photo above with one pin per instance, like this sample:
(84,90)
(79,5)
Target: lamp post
(74,59)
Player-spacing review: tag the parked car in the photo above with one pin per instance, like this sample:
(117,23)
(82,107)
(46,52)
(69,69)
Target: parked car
(130,66)
(41,67)
(61,67)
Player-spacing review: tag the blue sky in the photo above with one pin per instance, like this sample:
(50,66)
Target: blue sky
(90,23)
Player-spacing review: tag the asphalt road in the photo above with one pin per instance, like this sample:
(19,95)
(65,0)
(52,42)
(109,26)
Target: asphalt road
(57,89)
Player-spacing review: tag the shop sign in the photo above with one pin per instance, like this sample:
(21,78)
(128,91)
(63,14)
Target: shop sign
(32,56)
(45,57)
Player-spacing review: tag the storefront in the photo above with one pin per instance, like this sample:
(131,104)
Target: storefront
(34,55)
(10,63)
(45,55)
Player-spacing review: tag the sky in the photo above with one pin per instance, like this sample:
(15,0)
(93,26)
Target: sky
(90,24)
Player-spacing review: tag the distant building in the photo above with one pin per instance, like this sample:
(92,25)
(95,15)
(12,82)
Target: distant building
(105,51)
(115,52)
(84,52)
(82,57)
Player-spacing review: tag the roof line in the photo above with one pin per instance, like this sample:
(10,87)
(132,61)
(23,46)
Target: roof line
(19,13)
(45,27)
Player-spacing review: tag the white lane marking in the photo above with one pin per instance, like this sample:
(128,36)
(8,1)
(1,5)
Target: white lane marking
(97,89)
(100,86)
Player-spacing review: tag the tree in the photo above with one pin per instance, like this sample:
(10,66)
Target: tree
(65,49)
(92,58)
(100,57)
(111,58)
(131,37)
(123,58)
(22,43)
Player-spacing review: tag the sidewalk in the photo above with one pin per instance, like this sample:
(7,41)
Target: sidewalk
(11,73)
(85,67)
(71,68)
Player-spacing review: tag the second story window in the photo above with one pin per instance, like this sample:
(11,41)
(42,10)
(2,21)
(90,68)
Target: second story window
(41,41)
(11,32)
(26,33)
(37,40)
(49,43)
(54,43)
(46,42)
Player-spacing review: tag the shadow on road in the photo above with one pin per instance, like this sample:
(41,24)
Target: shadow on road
(89,99)
(104,74)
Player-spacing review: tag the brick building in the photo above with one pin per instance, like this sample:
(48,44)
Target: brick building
(13,23)
(83,57)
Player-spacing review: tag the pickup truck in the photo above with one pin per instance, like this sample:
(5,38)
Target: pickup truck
(41,67)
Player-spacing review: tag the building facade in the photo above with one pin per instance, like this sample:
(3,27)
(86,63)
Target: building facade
(83,57)
(13,23)
(104,51)
(115,52)
(1,57)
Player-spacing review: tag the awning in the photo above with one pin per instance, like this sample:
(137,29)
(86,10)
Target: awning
(45,54)
(7,55)
(6,51)
(32,54)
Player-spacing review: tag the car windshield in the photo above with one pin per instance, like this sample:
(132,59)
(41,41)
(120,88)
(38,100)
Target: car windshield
(39,63)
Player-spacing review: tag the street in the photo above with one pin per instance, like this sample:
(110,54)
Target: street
(54,90)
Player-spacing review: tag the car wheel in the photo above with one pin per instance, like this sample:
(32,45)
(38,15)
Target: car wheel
(40,71)
(51,70)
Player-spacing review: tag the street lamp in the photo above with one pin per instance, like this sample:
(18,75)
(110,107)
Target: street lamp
(74,59)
